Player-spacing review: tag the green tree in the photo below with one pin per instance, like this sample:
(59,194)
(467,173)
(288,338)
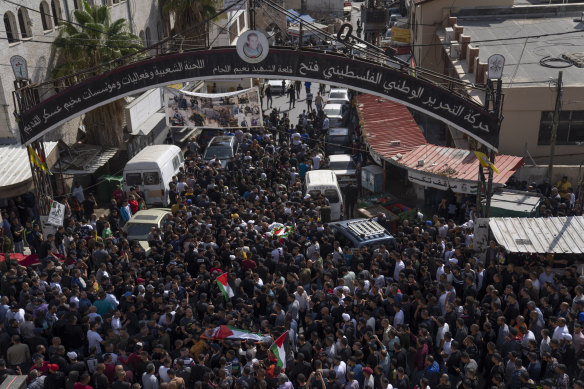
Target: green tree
(92,40)
(186,14)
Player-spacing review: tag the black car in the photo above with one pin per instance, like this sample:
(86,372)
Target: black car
(338,141)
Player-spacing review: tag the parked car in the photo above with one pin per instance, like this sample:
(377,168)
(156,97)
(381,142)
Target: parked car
(357,233)
(336,115)
(345,169)
(338,141)
(339,96)
(276,86)
(142,222)
(223,148)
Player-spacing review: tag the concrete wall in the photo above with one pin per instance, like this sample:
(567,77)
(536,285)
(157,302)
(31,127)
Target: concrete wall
(522,111)
(539,172)
(37,50)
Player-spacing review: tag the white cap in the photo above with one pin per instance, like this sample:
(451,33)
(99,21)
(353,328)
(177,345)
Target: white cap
(346,317)
(72,355)
(568,337)
(307,196)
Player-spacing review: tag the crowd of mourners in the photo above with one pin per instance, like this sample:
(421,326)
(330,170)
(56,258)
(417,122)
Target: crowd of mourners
(98,311)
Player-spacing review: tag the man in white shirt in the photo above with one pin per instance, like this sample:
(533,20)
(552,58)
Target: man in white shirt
(316,158)
(399,266)
(340,369)
(94,339)
(560,329)
(399,316)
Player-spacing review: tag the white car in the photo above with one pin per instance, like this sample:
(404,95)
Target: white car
(276,86)
(345,169)
(142,223)
(335,114)
(338,96)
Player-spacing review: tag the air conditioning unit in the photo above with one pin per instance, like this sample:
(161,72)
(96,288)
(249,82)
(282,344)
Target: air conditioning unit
(395,142)
(421,162)
(449,34)
(455,50)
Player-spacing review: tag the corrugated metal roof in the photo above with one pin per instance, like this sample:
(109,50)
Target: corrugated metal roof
(14,163)
(386,121)
(561,235)
(456,163)
(97,161)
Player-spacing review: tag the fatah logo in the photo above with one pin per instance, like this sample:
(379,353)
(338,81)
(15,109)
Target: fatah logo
(252,46)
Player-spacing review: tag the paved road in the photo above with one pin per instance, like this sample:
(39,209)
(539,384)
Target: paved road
(281,103)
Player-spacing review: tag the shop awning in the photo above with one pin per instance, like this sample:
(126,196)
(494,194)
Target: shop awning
(81,159)
(304,18)
(15,174)
(559,235)
(449,168)
(388,127)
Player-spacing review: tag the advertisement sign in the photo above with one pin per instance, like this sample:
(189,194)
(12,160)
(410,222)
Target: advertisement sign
(280,63)
(221,110)
(56,214)
(400,34)
(441,182)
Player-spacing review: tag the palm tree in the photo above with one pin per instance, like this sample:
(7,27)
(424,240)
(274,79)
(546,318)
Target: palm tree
(93,40)
(187,14)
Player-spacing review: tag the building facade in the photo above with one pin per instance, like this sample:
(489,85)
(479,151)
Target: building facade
(457,41)
(29,28)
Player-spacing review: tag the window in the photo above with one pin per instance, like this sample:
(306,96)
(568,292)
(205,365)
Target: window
(241,21)
(24,23)
(151,178)
(142,37)
(10,26)
(78,4)
(133,179)
(570,128)
(46,16)
(233,31)
(175,163)
(148,37)
(57,12)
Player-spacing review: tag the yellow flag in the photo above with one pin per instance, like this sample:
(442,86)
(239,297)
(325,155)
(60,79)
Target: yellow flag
(484,161)
(36,160)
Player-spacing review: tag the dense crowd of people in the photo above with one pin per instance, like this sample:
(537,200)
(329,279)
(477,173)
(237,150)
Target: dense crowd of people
(98,311)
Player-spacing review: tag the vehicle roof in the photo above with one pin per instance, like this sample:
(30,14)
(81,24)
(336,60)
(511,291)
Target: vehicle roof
(340,157)
(344,90)
(363,229)
(151,215)
(338,131)
(154,153)
(221,140)
(321,175)
(334,106)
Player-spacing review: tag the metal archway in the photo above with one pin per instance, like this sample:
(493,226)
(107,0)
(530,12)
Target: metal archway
(281,63)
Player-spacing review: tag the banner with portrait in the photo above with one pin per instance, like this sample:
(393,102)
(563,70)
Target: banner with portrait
(240,109)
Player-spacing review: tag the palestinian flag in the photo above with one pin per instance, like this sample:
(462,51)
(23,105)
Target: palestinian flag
(280,231)
(279,349)
(224,286)
(232,333)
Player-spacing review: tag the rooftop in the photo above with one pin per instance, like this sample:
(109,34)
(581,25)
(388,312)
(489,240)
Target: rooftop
(389,127)
(456,163)
(523,56)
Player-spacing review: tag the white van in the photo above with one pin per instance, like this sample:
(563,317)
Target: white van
(152,169)
(324,183)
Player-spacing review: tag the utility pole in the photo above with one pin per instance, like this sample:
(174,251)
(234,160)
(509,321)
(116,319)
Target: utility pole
(555,123)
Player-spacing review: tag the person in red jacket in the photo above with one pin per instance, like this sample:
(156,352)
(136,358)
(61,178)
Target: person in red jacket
(134,207)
